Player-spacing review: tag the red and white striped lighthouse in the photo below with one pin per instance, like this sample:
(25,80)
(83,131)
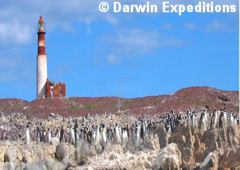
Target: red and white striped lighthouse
(41,61)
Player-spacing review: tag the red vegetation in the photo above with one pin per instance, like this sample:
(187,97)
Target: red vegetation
(188,98)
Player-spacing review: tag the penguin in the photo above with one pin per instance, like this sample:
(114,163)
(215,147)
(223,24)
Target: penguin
(196,120)
(137,134)
(87,133)
(143,130)
(214,119)
(103,133)
(62,137)
(38,135)
(124,137)
(172,123)
(98,135)
(81,134)
(44,136)
(58,133)
(238,118)
(179,119)
(84,146)
(235,120)
(27,135)
(117,134)
(49,135)
(223,119)
(93,136)
(231,120)
(168,127)
(109,134)
(203,122)
(72,135)
(77,139)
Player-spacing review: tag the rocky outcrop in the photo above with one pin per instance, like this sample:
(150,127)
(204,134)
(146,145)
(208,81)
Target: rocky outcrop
(169,158)
(230,158)
(62,152)
(211,161)
(216,148)
(185,148)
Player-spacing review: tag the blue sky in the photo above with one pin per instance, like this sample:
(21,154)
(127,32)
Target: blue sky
(107,54)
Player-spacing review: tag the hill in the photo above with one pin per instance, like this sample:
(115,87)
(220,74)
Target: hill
(188,98)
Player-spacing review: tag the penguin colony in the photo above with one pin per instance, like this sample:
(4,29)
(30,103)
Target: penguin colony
(103,130)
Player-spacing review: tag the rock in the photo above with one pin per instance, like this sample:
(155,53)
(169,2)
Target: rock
(2,153)
(130,145)
(230,158)
(148,142)
(112,157)
(59,166)
(27,156)
(148,165)
(92,151)
(162,136)
(10,166)
(20,155)
(185,140)
(54,141)
(40,155)
(41,165)
(99,148)
(211,161)
(65,160)
(50,150)
(10,155)
(156,142)
(35,166)
(169,158)
(49,163)
(62,151)
(81,155)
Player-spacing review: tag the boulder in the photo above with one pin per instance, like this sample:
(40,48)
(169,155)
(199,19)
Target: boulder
(162,136)
(2,153)
(149,142)
(230,158)
(27,156)
(10,166)
(54,141)
(130,145)
(49,163)
(62,151)
(10,155)
(50,150)
(211,161)
(169,158)
(59,166)
(36,166)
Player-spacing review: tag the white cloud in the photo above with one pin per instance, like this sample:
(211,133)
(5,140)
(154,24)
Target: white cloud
(166,27)
(15,32)
(21,16)
(218,26)
(14,68)
(18,19)
(190,26)
(135,42)
(6,62)
(7,77)
(112,59)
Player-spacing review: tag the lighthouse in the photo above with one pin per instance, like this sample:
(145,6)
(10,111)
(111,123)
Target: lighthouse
(45,87)
(41,61)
